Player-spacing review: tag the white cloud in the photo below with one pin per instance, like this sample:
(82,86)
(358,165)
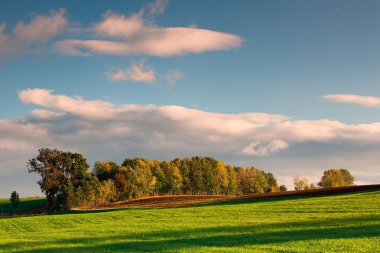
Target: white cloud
(354,99)
(114,25)
(260,149)
(138,35)
(137,72)
(162,42)
(96,109)
(40,29)
(140,72)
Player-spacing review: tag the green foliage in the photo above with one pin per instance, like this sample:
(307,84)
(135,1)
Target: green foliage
(106,192)
(173,178)
(105,170)
(336,178)
(232,181)
(254,181)
(283,188)
(50,164)
(341,223)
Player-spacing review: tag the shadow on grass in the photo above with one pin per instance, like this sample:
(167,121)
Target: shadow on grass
(222,236)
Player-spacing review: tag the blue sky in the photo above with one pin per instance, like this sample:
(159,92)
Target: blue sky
(315,63)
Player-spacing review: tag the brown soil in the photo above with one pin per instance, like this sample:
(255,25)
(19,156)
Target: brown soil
(188,200)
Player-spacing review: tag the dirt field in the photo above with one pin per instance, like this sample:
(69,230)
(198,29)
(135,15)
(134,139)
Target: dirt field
(188,200)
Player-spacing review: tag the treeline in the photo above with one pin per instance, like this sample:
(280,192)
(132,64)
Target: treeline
(67,181)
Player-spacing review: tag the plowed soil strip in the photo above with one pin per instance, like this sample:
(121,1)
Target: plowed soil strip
(188,200)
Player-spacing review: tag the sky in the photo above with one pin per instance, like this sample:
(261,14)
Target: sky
(291,87)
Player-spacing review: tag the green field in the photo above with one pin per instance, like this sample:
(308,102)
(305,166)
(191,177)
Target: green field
(340,223)
(26,205)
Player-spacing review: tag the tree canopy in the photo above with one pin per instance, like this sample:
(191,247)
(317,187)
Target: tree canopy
(67,181)
(336,178)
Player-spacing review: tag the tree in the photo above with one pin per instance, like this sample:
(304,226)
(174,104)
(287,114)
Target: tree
(300,183)
(173,178)
(105,170)
(50,164)
(232,181)
(56,168)
(138,173)
(122,184)
(15,201)
(161,181)
(106,192)
(196,175)
(283,188)
(272,185)
(336,178)
(254,181)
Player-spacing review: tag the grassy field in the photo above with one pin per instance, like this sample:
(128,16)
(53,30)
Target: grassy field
(341,223)
(26,205)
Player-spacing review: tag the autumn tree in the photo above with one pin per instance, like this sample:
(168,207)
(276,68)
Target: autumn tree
(254,181)
(232,181)
(336,178)
(139,175)
(272,185)
(161,180)
(122,184)
(173,178)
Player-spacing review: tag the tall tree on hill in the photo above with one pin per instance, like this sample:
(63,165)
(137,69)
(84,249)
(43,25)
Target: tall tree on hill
(336,178)
(50,164)
(56,168)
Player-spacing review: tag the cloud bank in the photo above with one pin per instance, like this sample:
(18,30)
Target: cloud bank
(103,130)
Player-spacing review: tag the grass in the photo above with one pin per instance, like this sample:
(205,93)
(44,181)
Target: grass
(338,223)
(26,205)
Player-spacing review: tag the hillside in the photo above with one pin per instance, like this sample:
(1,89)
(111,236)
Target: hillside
(337,223)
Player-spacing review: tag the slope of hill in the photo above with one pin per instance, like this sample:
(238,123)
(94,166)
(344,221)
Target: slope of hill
(337,223)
